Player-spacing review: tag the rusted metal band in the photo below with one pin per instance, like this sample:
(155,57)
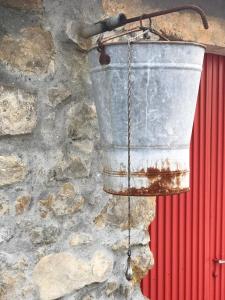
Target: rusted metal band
(160,182)
(143,192)
(149,172)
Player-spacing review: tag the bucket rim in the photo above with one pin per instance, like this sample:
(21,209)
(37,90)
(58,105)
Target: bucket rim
(151,42)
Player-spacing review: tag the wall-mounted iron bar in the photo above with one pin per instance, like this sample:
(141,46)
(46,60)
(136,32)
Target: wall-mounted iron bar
(87,31)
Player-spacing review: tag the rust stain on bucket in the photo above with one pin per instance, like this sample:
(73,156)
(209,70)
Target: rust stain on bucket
(161,182)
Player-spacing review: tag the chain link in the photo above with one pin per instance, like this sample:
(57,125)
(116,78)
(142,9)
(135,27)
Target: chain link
(129,141)
(129,271)
(129,89)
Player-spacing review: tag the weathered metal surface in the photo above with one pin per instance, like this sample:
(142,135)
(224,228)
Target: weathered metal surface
(188,233)
(165,82)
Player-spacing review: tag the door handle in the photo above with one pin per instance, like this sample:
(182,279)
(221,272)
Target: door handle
(217,262)
(220,261)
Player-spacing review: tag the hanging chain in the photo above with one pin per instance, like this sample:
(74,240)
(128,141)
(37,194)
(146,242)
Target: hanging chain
(129,273)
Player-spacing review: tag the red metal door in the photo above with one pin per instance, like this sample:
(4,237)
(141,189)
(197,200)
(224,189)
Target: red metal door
(188,233)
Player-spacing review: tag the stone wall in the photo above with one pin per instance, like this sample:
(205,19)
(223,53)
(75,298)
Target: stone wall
(61,236)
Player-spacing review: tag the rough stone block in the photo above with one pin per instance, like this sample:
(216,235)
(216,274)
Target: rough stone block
(31,52)
(44,235)
(142,213)
(4,208)
(141,263)
(66,202)
(78,167)
(12,170)
(22,204)
(81,121)
(58,94)
(17,111)
(77,239)
(60,274)
(6,234)
(4,205)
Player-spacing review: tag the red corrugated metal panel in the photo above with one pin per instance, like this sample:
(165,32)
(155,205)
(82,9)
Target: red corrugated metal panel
(189,230)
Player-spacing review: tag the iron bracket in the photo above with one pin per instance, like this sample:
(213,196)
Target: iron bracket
(111,23)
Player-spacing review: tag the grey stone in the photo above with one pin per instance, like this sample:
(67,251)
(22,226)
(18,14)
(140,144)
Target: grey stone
(111,287)
(4,208)
(58,94)
(22,204)
(77,162)
(66,202)
(72,32)
(60,274)
(137,239)
(6,234)
(84,147)
(45,234)
(142,261)
(142,213)
(13,281)
(77,239)
(17,111)
(81,121)
(88,297)
(12,170)
(77,167)
(4,205)
(31,52)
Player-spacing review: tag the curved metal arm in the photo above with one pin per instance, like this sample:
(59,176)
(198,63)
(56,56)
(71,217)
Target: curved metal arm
(197,9)
(111,23)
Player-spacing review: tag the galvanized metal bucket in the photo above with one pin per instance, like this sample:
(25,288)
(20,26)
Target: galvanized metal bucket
(165,82)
